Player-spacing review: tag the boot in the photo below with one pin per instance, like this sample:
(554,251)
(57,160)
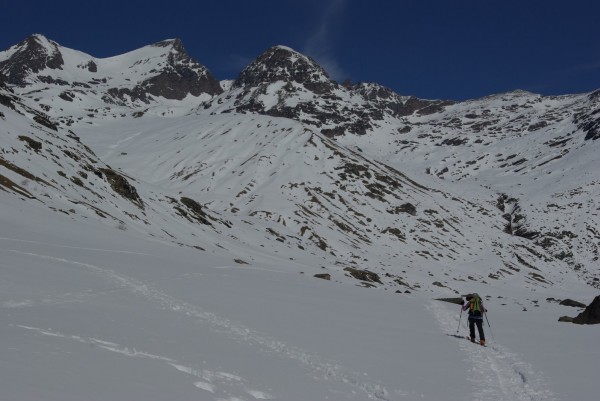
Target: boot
(472,339)
(481,342)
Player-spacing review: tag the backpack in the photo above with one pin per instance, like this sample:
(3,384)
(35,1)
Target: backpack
(475,303)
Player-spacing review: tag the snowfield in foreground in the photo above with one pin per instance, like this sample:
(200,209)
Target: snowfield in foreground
(89,312)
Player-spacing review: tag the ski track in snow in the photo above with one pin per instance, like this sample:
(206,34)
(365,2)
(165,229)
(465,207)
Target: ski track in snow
(66,298)
(75,247)
(319,368)
(215,382)
(496,372)
(112,148)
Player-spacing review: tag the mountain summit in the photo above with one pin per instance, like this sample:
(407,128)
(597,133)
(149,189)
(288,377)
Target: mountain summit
(32,55)
(280,63)
(282,82)
(181,75)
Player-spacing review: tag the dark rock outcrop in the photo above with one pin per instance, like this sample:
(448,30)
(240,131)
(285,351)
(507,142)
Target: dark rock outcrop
(390,102)
(6,97)
(589,122)
(181,76)
(91,66)
(196,211)
(363,275)
(408,208)
(32,143)
(591,314)
(120,185)
(570,302)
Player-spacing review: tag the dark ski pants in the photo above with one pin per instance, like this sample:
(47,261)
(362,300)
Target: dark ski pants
(479,323)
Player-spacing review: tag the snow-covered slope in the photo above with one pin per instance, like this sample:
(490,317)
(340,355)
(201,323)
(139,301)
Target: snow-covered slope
(534,157)
(154,197)
(291,190)
(97,313)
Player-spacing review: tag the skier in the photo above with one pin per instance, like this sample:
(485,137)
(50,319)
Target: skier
(476,310)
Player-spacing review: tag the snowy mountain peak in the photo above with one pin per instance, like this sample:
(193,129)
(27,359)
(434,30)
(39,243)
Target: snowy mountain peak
(285,83)
(175,43)
(281,63)
(37,40)
(179,74)
(32,55)
(174,49)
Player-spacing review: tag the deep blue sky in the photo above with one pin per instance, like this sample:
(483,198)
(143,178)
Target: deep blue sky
(453,49)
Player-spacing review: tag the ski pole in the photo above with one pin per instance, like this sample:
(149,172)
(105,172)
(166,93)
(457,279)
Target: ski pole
(488,322)
(459,318)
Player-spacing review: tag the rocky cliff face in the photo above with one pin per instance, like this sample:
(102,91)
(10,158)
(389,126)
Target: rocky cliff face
(589,120)
(591,314)
(31,56)
(179,77)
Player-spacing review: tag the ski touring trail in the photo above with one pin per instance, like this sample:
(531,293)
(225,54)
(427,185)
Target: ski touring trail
(317,367)
(215,382)
(495,372)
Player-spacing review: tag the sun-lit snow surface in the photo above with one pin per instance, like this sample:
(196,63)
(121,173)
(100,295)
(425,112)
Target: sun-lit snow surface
(236,168)
(519,144)
(90,312)
(105,296)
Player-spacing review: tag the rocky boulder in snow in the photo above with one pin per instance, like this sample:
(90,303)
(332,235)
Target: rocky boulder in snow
(570,302)
(120,185)
(363,275)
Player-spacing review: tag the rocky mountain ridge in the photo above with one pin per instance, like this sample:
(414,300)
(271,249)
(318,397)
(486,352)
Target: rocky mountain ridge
(355,180)
(163,69)
(284,83)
